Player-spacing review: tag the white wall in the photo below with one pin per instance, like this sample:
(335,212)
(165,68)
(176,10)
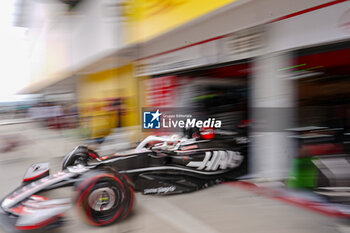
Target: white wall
(96,31)
(63,42)
(272,95)
(234,18)
(317,27)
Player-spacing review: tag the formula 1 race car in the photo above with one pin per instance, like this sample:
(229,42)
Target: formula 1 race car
(104,186)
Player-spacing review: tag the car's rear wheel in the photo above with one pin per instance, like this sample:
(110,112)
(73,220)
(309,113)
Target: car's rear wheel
(104,198)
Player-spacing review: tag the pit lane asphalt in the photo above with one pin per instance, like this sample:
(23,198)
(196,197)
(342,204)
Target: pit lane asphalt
(221,208)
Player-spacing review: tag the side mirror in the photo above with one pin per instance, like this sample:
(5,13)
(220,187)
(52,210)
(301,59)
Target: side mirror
(81,154)
(36,171)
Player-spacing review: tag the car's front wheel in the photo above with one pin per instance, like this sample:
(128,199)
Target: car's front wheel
(104,198)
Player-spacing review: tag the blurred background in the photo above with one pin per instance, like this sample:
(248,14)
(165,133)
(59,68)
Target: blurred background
(80,71)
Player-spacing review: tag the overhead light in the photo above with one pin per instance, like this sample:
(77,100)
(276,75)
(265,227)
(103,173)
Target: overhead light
(302,74)
(291,67)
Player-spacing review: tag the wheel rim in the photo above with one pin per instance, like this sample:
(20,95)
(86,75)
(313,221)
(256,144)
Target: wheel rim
(102,199)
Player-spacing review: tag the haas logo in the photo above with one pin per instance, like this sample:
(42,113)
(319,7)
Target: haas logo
(218,159)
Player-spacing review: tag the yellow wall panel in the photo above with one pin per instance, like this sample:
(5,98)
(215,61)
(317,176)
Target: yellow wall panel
(150,18)
(97,91)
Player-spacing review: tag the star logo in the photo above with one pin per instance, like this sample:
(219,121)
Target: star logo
(156,115)
(151,120)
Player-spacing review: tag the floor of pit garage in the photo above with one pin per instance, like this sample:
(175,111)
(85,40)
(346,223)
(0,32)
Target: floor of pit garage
(222,208)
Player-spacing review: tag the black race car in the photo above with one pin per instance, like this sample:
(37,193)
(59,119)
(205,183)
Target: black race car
(105,185)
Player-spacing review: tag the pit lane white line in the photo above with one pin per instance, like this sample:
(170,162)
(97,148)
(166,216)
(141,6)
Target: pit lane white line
(175,217)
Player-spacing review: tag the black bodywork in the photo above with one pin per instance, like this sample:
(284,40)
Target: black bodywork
(169,170)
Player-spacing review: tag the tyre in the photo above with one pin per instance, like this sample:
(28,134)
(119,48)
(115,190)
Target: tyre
(104,198)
